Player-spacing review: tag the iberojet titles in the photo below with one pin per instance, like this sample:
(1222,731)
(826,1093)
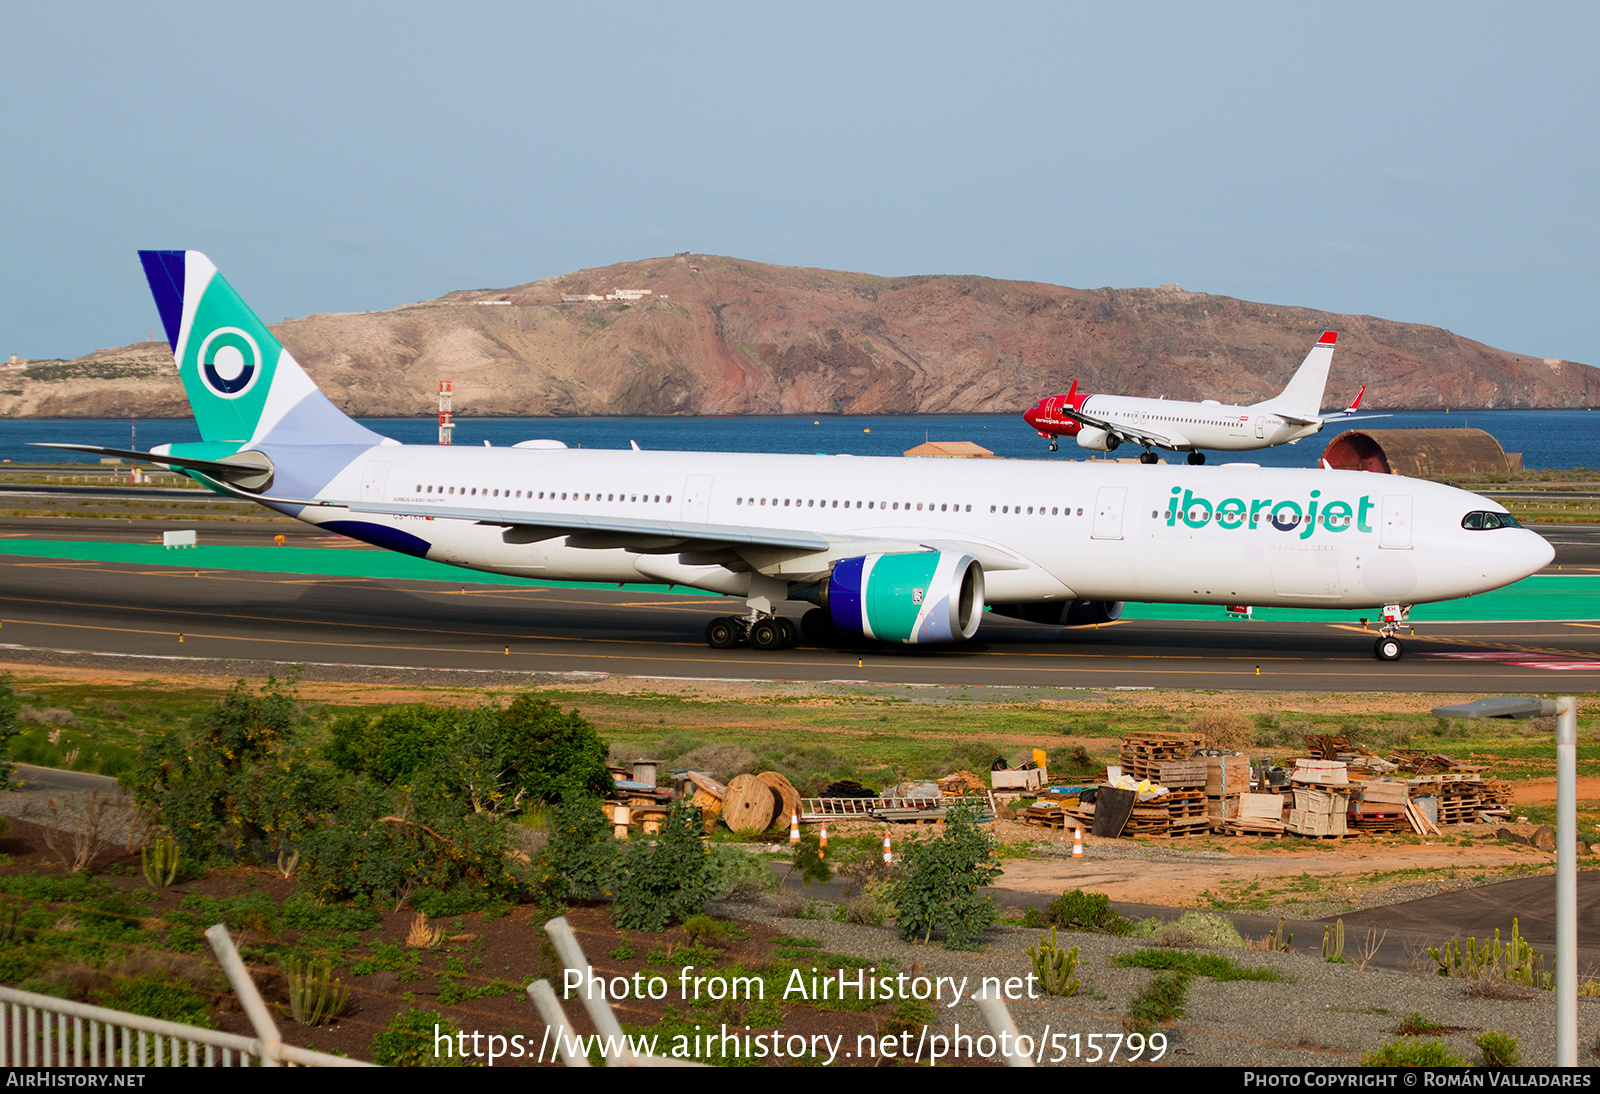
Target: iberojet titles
(1285,516)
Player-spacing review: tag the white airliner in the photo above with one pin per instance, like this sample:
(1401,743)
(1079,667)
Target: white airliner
(1104,422)
(894,550)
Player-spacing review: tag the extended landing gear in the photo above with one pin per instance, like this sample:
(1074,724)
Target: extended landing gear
(1197,458)
(1054,447)
(766,632)
(1388,647)
(1149,457)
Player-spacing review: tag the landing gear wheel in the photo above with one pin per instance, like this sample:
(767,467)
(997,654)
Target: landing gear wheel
(1148,457)
(1197,458)
(791,633)
(722,633)
(766,634)
(1388,649)
(1054,447)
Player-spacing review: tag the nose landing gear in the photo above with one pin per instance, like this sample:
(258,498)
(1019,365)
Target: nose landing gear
(1388,647)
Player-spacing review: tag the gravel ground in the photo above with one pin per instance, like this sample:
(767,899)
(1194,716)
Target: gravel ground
(1329,1015)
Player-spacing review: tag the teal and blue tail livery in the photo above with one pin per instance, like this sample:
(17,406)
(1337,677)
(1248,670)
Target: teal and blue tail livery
(243,386)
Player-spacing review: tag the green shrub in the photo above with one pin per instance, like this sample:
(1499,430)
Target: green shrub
(666,881)
(1164,999)
(1210,965)
(1497,1049)
(1081,911)
(1412,1053)
(580,860)
(9,704)
(409,1039)
(393,746)
(1205,930)
(738,873)
(807,858)
(158,997)
(936,884)
(235,781)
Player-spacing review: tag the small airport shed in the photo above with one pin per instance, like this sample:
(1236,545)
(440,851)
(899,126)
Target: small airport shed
(1421,453)
(952,450)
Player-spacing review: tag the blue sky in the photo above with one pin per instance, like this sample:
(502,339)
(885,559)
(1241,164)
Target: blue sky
(1433,163)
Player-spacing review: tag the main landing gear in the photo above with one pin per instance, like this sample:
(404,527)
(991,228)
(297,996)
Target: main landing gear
(761,632)
(1149,457)
(1197,458)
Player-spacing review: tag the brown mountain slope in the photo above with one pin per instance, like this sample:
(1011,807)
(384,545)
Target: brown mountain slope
(725,336)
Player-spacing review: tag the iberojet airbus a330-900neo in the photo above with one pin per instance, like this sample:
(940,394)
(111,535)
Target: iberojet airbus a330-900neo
(893,550)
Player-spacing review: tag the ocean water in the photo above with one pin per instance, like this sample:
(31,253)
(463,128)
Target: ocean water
(1546,438)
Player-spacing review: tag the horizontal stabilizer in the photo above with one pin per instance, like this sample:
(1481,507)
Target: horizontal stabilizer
(248,470)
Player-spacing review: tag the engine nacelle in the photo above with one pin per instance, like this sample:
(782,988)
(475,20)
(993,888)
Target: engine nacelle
(914,597)
(1064,613)
(1091,436)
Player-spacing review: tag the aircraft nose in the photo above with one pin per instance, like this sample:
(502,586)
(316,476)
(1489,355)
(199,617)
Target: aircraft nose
(1031,415)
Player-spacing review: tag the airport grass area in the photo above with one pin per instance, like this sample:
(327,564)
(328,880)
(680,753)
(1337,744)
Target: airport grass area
(1542,597)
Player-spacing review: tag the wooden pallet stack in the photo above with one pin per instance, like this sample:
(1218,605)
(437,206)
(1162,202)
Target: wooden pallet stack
(1186,813)
(1379,805)
(1321,799)
(1227,778)
(1258,815)
(1319,812)
(1459,800)
(1144,753)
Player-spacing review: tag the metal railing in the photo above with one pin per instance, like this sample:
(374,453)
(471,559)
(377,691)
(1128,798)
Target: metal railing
(43,1031)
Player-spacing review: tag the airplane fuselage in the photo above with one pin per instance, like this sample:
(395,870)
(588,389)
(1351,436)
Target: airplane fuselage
(1089,530)
(1205,425)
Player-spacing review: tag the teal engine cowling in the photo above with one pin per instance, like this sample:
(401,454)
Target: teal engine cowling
(914,597)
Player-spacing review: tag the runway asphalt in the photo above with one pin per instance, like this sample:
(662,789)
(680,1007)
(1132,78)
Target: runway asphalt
(54,608)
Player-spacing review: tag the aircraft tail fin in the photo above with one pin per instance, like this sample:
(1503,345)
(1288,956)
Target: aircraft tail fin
(243,386)
(1302,398)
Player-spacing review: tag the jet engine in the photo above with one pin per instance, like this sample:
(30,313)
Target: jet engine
(1064,613)
(913,597)
(1094,437)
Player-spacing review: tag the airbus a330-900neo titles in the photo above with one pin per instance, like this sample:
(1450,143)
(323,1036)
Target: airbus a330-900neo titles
(1105,422)
(893,550)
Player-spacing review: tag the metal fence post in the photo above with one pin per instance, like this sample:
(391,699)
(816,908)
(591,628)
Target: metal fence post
(245,988)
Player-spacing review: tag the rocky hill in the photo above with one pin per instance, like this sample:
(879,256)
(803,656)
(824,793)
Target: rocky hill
(724,336)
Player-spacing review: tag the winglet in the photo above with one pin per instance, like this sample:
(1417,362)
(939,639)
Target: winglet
(1329,337)
(1355,404)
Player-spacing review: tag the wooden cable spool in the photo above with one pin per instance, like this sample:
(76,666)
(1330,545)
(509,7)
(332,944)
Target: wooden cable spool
(750,804)
(788,798)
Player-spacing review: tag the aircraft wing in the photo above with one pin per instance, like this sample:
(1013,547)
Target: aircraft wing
(790,552)
(1142,435)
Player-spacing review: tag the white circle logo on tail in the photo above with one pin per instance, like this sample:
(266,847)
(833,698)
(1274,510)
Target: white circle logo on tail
(229,362)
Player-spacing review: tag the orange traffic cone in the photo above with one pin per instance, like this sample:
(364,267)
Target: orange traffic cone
(888,852)
(822,841)
(794,828)
(1077,843)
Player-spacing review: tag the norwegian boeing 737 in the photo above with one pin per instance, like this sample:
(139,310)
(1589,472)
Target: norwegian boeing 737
(1104,422)
(893,550)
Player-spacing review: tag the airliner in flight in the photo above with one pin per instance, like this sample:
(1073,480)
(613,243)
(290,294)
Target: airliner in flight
(893,550)
(1105,422)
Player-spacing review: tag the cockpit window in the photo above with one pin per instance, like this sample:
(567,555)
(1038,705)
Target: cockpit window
(1483,521)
